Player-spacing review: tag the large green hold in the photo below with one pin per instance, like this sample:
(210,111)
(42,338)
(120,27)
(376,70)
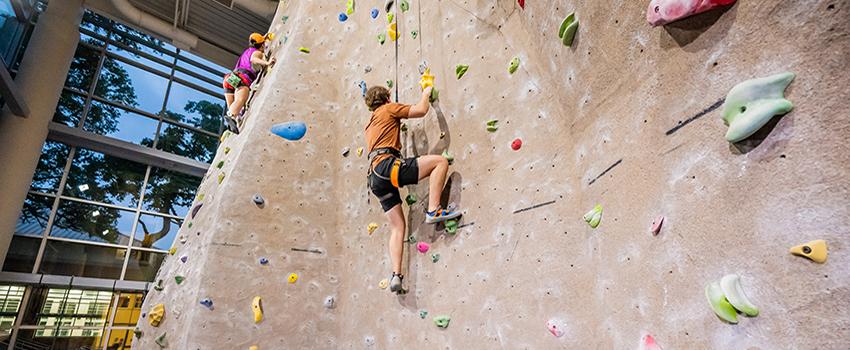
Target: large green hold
(460,70)
(514,65)
(179,279)
(719,304)
(568,29)
(751,104)
(451,226)
(594,216)
(442,321)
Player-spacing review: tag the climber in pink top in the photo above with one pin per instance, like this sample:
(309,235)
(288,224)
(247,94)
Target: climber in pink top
(237,83)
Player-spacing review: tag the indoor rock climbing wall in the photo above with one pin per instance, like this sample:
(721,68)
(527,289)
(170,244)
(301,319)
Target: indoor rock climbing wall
(628,117)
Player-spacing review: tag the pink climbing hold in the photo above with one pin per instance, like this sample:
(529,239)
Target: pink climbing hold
(661,12)
(648,343)
(656,225)
(516,145)
(422,247)
(554,328)
(521,3)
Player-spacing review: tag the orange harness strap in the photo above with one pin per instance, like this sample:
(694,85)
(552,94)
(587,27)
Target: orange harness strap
(394,172)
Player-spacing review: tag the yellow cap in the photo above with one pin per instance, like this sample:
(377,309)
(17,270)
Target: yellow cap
(257,38)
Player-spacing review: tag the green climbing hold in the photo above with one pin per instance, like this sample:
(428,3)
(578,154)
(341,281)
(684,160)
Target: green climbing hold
(190,224)
(137,332)
(411,198)
(158,286)
(304,49)
(390,17)
(719,304)
(411,239)
(403,127)
(435,258)
(492,125)
(382,38)
(451,226)
(751,104)
(514,65)
(568,29)
(435,95)
(423,313)
(179,279)
(390,83)
(594,216)
(414,33)
(734,293)
(460,70)
(404,6)
(284,19)
(448,156)
(160,340)
(442,321)
(349,7)
(220,164)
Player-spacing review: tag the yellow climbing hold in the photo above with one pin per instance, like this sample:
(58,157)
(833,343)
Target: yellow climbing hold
(257,306)
(201,197)
(427,79)
(349,7)
(814,250)
(226,150)
(392,31)
(384,283)
(254,347)
(226,134)
(359,151)
(292,278)
(220,177)
(172,250)
(304,49)
(372,227)
(156,315)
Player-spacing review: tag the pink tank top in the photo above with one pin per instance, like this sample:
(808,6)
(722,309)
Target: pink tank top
(245,62)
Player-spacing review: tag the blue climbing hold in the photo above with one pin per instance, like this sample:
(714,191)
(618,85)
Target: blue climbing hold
(264,261)
(292,131)
(363,87)
(207,302)
(375,13)
(343,17)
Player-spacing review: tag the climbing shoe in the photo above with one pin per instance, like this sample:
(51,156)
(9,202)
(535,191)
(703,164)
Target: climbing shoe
(395,283)
(231,124)
(389,5)
(439,215)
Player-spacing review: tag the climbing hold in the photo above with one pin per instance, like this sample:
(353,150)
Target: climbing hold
(422,247)
(423,313)
(442,135)
(521,3)
(435,95)
(208,303)
(594,216)
(442,321)
(363,87)
(161,341)
(182,239)
(359,151)
(460,70)
(304,49)
(264,261)
(414,33)
(661,12)
(427,79)
(411,239)
(172,250)
(220,164)
(346,151)
(382,38)
(225,135)
(449,157)
(516,144)
(189,225)
(369,340)
(158,286)
(343,17)
(137,332)
(719,303)
(257,307)
(568,29)
(555,327)
(258,199)
(330,302)
(451,226)
(390,17)
(435,258)
(388,5)
(292,131)
(220,179)
(253,347)
(184,258)
(403,127)
(383,283)
(179,279)
(815,250)
(284,19)
(349,7)
(734,292)
(410,198)
(367,69)
(751,104)
(201,197)
(226,150)
(648,343)
(374,13)
(492,125)
(392,31)
(404,5)
(372,227)
(390,83)
(156,315)
(292,278)
(514,65)
(656,225)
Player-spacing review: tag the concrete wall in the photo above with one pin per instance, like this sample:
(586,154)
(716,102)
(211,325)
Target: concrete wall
(610,99)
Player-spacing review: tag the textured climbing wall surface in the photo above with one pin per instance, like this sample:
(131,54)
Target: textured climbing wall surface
(643,99)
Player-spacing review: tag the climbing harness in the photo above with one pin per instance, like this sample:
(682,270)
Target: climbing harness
(396,156)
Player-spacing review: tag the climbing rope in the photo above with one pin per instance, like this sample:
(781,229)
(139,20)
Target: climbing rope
(397,39)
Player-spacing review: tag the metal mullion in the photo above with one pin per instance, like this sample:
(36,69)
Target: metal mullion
(54,208)
(70,240)
(75,91)
(43,194)
(108,41)
(199,65)
(20,318)
(152,116)
(196,87)
(156,213)
(144,43)
(152,250)
(101,204)
(138,53)
(95,80)
(193,128)
(196,75)
(165,101)
(136,218)
(137,64)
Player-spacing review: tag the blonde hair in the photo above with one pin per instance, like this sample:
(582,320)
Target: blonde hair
(377,96)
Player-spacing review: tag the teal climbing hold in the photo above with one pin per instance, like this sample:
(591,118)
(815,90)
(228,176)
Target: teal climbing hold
(382,38)
(514,65)
(414,34)
(160,340)
(449,157)
(435,257)
(292,131)
(411,198)
(460,70)
(404,5)
(423,313)
(411,239)
(568,29)
(284,19)
(751,104)
(442,321)
(390,83)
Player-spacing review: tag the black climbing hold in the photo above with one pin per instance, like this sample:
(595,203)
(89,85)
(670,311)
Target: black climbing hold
(196,209)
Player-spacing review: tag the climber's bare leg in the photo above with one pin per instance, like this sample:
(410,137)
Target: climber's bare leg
(397,230)
(434,167)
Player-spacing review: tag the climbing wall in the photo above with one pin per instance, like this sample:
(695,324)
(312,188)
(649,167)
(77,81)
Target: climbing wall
(628,117)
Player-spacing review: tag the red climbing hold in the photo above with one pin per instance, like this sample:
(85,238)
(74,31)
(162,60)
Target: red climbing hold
(656,225)
(648,343)
(516,145)
(521,3)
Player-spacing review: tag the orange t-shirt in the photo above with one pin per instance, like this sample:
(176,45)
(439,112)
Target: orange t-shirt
(384,129)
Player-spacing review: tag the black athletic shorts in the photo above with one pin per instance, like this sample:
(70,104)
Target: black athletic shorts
(408,174)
